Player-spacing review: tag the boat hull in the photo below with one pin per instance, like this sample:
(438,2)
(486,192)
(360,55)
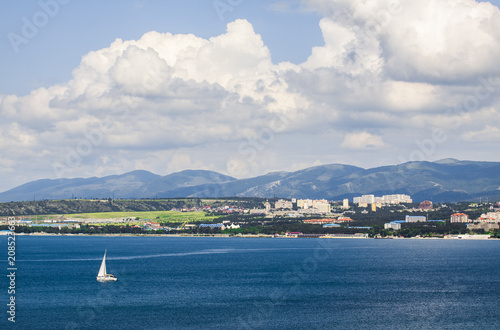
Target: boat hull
(106,279)
(103,276)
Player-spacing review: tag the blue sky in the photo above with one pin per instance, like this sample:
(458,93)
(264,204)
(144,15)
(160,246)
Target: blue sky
(106,87)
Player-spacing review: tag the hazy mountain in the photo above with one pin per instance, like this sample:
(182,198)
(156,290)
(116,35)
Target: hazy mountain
(311,182)
(445,180)
(135,184)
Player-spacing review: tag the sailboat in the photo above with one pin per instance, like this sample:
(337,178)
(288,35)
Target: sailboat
(102,276)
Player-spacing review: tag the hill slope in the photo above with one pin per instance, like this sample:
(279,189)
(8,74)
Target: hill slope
(448,180)
(135,184)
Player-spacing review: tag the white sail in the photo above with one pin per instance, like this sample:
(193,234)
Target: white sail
(102,270)
(103,276)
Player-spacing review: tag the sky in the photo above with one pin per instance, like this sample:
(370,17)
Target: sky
(96,88)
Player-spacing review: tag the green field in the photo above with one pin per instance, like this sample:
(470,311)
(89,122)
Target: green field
(164,216)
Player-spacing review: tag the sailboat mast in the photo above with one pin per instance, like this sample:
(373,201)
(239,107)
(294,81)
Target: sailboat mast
(104,262)
(102,269)
(103,275)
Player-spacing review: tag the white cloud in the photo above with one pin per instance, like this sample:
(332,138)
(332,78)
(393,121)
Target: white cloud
(345,51)
(408,96)
(488,134)
(424,40)
(362,141)
(222,104)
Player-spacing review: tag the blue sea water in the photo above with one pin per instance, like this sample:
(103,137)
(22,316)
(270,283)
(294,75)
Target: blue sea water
(247,283)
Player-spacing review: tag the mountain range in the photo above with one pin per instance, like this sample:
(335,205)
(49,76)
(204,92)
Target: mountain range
(447,180)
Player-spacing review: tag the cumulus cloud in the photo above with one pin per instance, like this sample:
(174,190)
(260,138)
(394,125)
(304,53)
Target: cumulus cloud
(389,74)
(424,40)
(488,134)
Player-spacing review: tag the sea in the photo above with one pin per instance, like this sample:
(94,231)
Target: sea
(252,283)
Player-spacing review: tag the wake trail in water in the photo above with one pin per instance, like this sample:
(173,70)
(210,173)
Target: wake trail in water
(160,255)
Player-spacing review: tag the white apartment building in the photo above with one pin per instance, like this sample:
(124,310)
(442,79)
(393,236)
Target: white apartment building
(392,225)
(386,199)
(319,201)
(365,199)
(323,207)
(394,199)
(283,204)
(318,205)
(415,218)
(304,203)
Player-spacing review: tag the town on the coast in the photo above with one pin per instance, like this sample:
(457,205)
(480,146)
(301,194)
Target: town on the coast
(366,216)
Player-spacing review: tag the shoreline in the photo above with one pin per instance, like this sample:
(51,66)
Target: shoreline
(464,237)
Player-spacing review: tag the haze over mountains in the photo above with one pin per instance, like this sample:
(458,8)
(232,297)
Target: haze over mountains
(447,180)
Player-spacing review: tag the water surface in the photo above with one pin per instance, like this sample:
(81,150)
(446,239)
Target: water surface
(255,283)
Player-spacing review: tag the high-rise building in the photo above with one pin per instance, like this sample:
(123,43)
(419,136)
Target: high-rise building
(283,204)
(368,199)
(318,201)
(323,207)
(304,203)
(394,199)
(386,199)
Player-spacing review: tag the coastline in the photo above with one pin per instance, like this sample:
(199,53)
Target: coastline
(253,236)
